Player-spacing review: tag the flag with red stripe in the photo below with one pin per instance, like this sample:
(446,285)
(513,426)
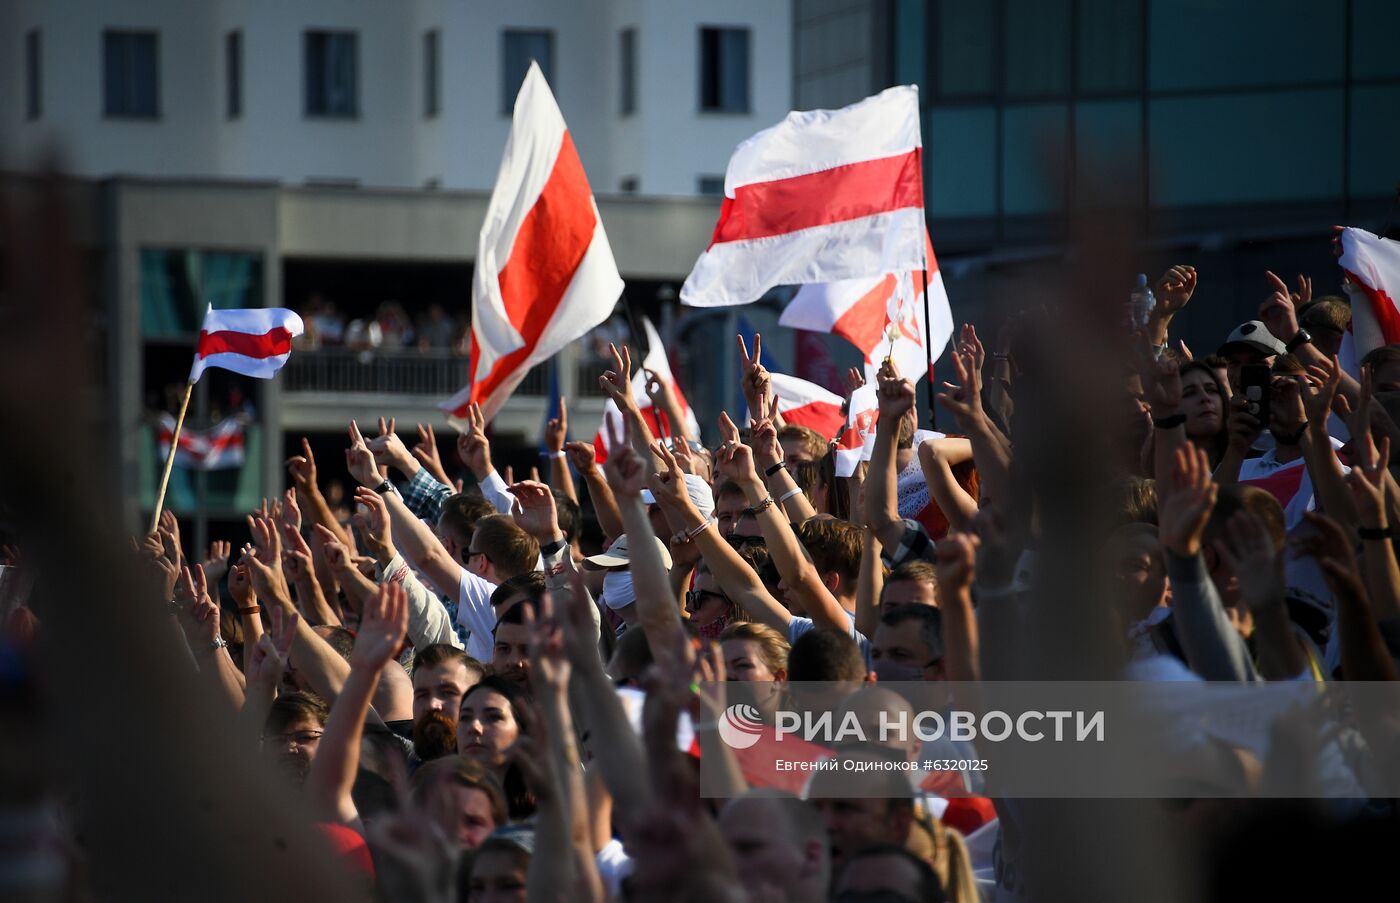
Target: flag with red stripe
(545,273)
(254,342)
(217,448)
(657,362)
(807,404)
(1289,483)
(1372,266)
(822,196)
(881,316)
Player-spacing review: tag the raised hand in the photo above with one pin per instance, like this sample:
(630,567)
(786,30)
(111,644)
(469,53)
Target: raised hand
(1174,289)
(382,628)
(964,399)
(728,432)
(1244,428)
(200,613)
(1161,381)
(970,345)
(302,469)
(215,562)
(556,431)
(1331,546)
(734,460)
(617,382)
(767,450)
(684,456)
(658,389)
(535,509)
(755,381)
(388,449)
(549,665)
(296,559)
(1304,293)
(1256,564)
(337,556)
(955,561)
(164,570)
(583,457)
(268,660)
(264,558)
(1319,399)
(668,486)
(374,521)
(1367,478)
(291,512)
(426,451)
(896,398)
(625,470)
(854,380)
(1277,311)
(359,460)
(473,448)
(240,586)
(1186,501)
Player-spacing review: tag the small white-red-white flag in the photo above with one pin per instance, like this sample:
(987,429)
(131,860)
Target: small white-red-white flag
(1289,483)
(882,317)
(822,196)
(859,434)
(545,273)
(657,362)
(1372,266)
(807,404)
(254,342)
(217,448)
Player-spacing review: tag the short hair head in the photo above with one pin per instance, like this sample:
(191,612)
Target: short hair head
(510,549)
(835,545)
(929,619)
(825,655)
(439,653)
(569,515)
(463,772)
(810,438)
(773,646)
(530,584)
(290,708)
(460,513)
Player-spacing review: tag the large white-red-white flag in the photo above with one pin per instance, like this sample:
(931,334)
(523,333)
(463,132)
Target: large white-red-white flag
(218,448)
(657,362)
(882,316)
(822,196)
(807,404)
(1372,266)
(545,273)
(252,341)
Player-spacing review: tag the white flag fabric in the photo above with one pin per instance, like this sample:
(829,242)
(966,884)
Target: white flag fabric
(807,404)
(252,341)
(657,362)
(822,196)
(882,317)
(217,448)
(1372,266)
(545,273)
(859,432)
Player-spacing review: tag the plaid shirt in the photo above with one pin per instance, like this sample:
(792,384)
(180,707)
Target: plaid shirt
(914,544)
(424,495)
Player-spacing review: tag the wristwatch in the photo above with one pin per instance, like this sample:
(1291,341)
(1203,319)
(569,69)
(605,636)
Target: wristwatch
(1301,338)
(386,486)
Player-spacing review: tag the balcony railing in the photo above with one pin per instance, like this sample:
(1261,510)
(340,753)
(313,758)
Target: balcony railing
(436,373)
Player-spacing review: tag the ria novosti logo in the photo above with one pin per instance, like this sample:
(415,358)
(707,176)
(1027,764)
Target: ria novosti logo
(740,726)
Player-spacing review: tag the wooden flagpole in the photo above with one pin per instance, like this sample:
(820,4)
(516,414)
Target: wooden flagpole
(928,347)
(170,457)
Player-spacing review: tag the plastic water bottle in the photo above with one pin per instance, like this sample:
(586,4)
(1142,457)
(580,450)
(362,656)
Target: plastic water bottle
(1140,303)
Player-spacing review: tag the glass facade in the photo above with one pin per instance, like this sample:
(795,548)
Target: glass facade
(1185,105)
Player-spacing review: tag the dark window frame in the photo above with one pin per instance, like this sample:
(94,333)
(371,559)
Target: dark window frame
(33,75)
(704,92)
(126,104)
(627,66)
(233,74)
(316,104)
(510,87)
(432,73)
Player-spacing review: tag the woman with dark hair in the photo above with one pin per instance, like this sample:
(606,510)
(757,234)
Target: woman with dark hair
(827,494)
(488,722)
(1204,401)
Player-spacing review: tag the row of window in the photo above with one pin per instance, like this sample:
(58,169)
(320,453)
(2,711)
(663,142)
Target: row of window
(331,78)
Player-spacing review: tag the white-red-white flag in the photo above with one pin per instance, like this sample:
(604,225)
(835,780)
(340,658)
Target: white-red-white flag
(217,448)
(859,434)
(1289,483)
(882,317)
(807,404)
(545,273)
(822,196)
(657,362)
(254,342)
(1372,266)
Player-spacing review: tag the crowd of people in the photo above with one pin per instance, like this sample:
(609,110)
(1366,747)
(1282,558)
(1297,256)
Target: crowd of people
(471,705)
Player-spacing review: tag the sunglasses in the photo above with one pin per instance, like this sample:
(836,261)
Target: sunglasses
(696,597)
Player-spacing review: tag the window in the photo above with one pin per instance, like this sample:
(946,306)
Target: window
(233,74)
(964,64)
(33,73)
(332,74)
(131,74)
(520,48)
(430,74)
(629,184)
(710,186)
(627,54)
(724,70)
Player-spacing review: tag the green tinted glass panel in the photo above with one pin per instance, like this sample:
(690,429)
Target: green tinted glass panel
(1375,140)
(960,155)
(176,285)
(1375,25)
(1232,149)
(1234,43)
(1033,148)
(965,49)
(1109,55)
(1037,47)
(1108,151)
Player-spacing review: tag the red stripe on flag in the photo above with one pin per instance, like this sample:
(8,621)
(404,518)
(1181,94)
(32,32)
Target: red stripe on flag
(548,248)
(863,323)
(276,341)
(818,415)
(1282,484)
(1382,307)
(821,198)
